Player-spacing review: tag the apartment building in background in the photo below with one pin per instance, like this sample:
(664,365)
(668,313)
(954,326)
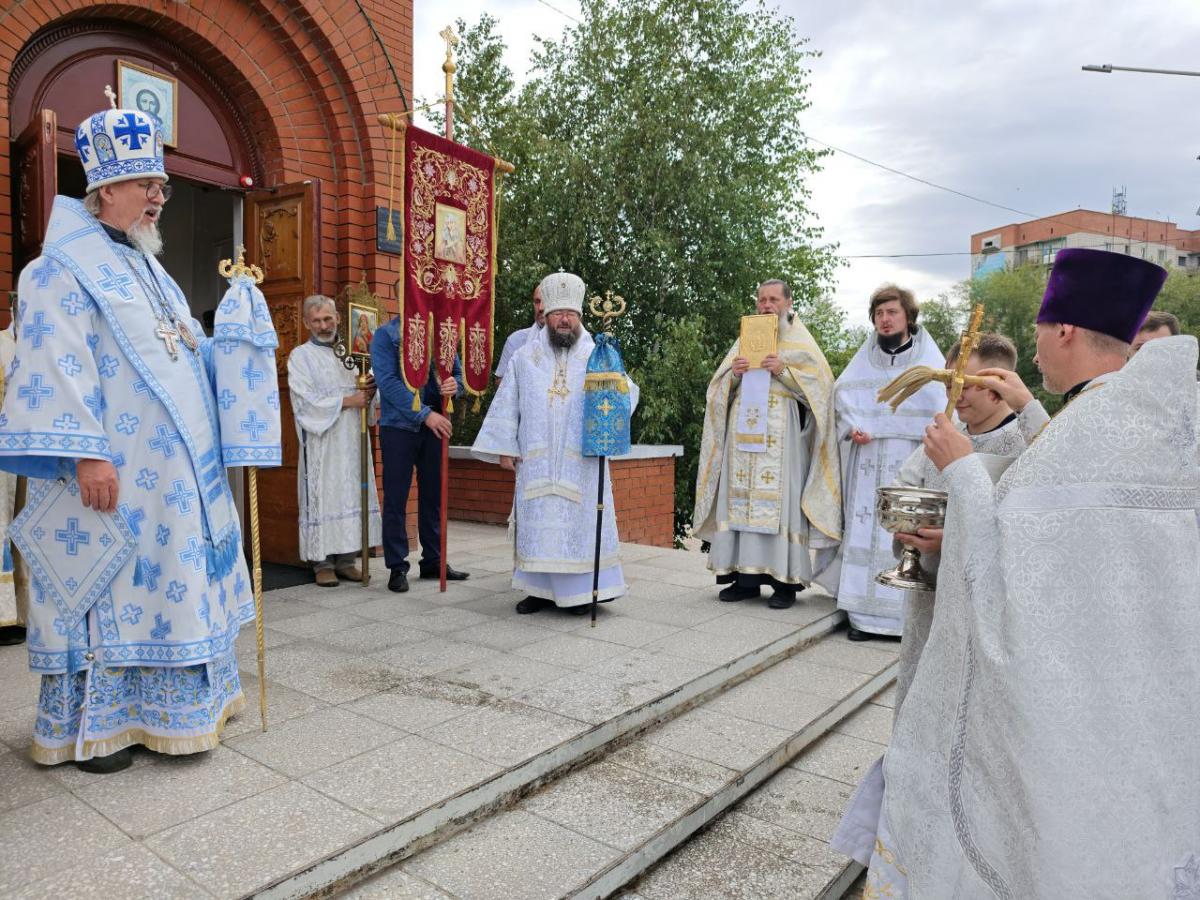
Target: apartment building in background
(1038,240)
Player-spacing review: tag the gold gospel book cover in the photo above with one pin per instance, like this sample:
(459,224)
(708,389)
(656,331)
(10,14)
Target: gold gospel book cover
(758,338)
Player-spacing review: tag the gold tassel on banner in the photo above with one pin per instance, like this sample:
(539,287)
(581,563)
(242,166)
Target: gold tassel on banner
(391,226)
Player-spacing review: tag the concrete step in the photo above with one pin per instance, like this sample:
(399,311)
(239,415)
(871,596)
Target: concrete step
(776,839)
(602,827)
(599,732)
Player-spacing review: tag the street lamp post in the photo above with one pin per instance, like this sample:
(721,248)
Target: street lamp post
(1108,68)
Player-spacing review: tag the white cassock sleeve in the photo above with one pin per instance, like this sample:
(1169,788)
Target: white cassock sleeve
(315,412)
(499,434)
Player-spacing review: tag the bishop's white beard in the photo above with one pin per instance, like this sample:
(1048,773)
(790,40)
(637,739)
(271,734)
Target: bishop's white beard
(146,238)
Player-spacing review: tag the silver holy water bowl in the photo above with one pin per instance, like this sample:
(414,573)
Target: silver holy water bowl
(905,509)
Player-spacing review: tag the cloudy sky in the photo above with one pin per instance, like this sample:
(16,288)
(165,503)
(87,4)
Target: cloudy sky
(986,98)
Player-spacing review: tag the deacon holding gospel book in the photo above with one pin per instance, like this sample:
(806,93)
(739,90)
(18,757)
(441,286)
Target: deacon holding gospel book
(767,491)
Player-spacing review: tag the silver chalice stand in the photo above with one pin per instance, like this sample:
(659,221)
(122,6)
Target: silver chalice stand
(905,509)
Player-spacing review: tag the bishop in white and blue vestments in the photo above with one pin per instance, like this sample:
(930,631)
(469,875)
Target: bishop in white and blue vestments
(130,530)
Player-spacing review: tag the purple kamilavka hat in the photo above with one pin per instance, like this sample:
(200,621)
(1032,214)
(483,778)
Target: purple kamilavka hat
(1101,291)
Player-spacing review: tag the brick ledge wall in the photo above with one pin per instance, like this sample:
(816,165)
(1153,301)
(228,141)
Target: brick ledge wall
(643,492)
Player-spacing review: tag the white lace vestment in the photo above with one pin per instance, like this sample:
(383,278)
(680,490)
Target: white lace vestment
(327,474)
(1047,747)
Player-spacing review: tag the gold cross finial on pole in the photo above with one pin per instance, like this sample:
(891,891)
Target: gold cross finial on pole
(607,308)
(112,97)
(230,269)
(447,34)
(966,346)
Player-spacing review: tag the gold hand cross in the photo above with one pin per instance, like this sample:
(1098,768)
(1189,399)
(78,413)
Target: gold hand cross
(966,346)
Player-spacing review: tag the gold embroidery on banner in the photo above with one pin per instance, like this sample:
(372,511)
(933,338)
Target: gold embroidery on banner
(477,342)
(416,342)
(447,343)
(437,177)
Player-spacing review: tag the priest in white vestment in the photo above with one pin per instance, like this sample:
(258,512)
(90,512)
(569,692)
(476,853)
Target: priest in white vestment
(1047,747)
(519,339)
(327,404)
(876,442)
(767,488)
(535,425)
(998,435)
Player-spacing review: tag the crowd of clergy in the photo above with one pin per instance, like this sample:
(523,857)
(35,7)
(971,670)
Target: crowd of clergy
(1049,686)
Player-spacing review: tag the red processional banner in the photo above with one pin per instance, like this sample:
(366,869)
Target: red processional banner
(448,281)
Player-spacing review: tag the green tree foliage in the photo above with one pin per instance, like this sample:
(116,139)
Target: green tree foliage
(658,154)
(943,319)
(1181,296)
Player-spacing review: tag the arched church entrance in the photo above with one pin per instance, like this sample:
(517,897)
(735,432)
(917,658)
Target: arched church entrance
(59,80)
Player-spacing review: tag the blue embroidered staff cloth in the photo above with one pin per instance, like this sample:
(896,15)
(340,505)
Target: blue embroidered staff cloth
(606,406)
(244,372)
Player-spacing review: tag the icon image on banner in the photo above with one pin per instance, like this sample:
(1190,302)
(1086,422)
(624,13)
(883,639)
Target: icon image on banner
(450,232)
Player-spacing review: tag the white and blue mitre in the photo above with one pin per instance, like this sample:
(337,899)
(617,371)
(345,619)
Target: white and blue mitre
(247,392)
(119,145)
(163,581)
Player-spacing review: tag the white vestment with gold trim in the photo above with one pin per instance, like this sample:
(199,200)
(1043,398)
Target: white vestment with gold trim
(537,417)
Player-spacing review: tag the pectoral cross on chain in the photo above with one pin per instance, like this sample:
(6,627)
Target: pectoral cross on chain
(558,388)
(168,336)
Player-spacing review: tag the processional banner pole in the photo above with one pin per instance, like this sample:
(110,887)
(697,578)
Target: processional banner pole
(446,290)
(447,34)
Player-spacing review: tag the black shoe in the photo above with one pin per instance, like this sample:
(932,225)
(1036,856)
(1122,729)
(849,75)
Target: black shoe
(398,582)
(531,605)
(735,593)
(12,634)
(451,574)
(106,765)
(581,610)
(855,635)
(782,600)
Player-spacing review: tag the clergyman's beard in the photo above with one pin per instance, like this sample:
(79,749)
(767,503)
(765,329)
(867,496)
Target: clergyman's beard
(146,238)
(891,341)
(564,339)
(1051,386)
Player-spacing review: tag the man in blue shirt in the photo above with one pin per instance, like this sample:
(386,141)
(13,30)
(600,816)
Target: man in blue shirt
(411,438)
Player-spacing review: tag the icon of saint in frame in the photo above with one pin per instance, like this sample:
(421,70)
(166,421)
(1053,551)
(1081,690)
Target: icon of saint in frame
(363,322)
(450,234)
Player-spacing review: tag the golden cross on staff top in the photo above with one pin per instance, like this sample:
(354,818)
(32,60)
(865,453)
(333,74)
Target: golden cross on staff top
(230,269)
(966,347)
(607,308)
